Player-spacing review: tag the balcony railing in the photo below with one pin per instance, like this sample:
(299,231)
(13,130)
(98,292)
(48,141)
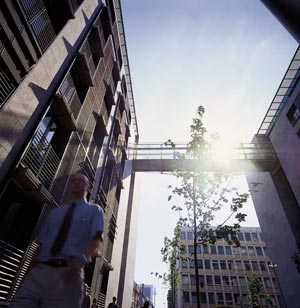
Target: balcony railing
(7,86)
(68,91)
(41,159)
(10,260)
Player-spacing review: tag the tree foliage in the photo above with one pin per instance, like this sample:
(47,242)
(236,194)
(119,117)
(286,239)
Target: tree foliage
(201,194)
(255,288)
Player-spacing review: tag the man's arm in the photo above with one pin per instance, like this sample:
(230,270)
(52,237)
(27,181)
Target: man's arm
(93,248)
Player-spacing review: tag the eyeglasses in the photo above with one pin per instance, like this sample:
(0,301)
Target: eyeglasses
(78,181)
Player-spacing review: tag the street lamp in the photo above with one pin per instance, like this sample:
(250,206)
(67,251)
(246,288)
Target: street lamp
(273,266)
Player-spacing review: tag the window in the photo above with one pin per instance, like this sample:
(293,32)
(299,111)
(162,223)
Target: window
(255,237)
(236,250)
(209,280)
(240,236)
(205,249)
(220,250)
(233,280)
(267,282)
(243,250)
(220,298)
(201,281)
(213,249)
(223,264)
(217,279)
(254,265)
(238,265)
(262,266)
(293,114)
(200,263)
(190,236)
(230,264)
(192,263)
(184,264)
(242,281)
(215,264)
(194,297)
(247,265)
(182,236)
(228,250)
(259,251)
(251,251)
(247,237)
(203,298)
(211,298)
(185,279)
(190,248)
(207,264)
(186,297)
(193,279)
(228,298)
(226,280)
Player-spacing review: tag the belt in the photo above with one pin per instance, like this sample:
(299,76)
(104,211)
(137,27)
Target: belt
(56,262)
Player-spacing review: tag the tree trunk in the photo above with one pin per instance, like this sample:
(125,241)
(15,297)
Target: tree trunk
(195,249)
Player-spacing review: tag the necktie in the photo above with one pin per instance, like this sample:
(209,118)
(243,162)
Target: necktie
(63,231)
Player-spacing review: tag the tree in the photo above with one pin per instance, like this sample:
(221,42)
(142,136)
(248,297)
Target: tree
(203,193)
(255,287)
(171,252)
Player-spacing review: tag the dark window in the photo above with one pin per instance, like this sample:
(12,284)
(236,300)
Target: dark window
(217,279)
(220,298)
(200,263)
(220,250)
(262,266)
(254,265)
(259,251)
(215,264)
(240,236)
(247,265)
(207,264)
(190,248)
(190,236)
(194,297)
(211,298)
(293,114)
(228,250)
(203,298)
(247,237)
(223,264)
(255,237)
(213,249)
(186,297)
(209,280)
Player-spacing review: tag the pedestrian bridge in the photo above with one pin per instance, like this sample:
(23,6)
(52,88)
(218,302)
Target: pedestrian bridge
(147,157)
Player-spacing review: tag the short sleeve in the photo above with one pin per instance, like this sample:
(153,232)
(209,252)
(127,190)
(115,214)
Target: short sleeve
(97,222)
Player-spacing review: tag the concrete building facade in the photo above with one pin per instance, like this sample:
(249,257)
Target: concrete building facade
(66,105)
(224,270)
(277,196)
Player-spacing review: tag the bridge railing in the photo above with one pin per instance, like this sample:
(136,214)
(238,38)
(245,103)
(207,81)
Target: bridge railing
(241,151)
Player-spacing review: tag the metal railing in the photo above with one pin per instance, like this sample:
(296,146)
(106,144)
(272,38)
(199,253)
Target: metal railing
(41,159)
(7,86)
(68,91)
(242,151)
(10,260)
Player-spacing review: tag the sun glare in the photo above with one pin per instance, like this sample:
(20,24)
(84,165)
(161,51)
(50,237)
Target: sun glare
(222,151)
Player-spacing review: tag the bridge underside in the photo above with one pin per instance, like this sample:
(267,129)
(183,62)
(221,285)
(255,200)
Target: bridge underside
(234,165)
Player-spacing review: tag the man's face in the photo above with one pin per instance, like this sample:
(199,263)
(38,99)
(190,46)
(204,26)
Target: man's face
(78,184)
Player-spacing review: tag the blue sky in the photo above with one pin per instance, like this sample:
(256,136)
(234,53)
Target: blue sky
(228,56)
